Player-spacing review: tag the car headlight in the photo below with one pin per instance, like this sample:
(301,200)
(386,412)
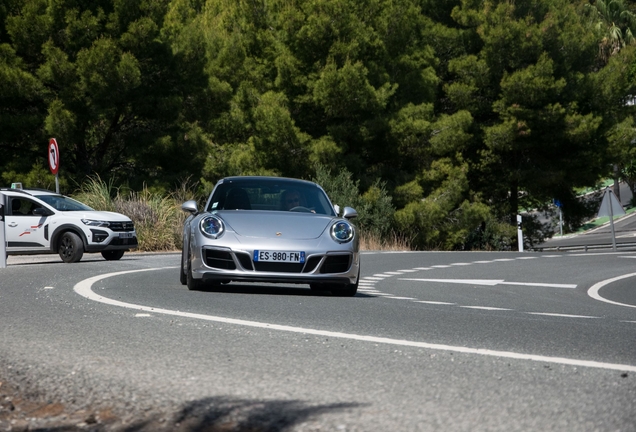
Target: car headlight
(212,226)
(96,223)
(342,231)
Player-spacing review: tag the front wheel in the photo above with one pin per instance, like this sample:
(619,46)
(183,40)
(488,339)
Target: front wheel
(348,290)
(182,274)
(71,248)
(113,255)
(193,284)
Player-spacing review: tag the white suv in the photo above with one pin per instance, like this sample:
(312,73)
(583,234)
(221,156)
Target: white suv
(40,221)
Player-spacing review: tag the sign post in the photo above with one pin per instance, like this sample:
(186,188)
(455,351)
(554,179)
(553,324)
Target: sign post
(3,240)
(54,161)
(609,207)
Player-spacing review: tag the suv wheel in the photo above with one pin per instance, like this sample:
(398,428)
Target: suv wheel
(71,247)
(113,255)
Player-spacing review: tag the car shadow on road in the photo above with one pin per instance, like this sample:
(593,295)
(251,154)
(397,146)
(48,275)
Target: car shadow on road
(226,414)
(282,290)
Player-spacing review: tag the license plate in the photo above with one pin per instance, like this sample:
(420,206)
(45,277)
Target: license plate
(278,256)
(126,235)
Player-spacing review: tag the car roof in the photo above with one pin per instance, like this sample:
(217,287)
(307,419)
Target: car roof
(273,178)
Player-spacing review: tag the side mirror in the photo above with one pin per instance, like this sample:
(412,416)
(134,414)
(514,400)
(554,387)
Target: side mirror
(190,207)
(41,211)
(349,213)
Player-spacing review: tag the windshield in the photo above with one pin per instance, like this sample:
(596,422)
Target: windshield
(62,203)
(270,194)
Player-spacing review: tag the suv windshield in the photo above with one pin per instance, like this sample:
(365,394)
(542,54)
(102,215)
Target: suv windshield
(62,203)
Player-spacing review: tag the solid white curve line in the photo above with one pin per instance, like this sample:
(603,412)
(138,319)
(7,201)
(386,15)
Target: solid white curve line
(83,288)
(594,289)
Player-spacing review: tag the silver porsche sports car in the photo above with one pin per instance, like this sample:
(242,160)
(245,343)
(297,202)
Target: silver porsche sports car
(270,229)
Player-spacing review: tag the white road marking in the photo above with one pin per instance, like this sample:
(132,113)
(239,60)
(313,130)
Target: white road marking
(562,315)
(407,271)
(440,266)
(140,315)
(416,268)
(461,264)
(434,302)
(398,273)
(371,278)
(486,308)
(83,288)
(382,275)
(594,289)
(49,287)
(482,262)
(527,257)
(632,256)
(401,298)
(491,282)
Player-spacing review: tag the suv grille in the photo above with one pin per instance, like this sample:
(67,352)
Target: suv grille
(121,226)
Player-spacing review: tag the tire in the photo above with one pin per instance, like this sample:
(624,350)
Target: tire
(71,248)
(193,284)
(347,290)
(182,274)
(113,255)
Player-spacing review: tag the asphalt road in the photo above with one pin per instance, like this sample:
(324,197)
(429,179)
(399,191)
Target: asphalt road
(433,341)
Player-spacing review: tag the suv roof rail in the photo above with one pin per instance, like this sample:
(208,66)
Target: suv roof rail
(26,191)
(22,191)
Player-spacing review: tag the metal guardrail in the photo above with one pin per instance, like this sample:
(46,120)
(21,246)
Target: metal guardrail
(585,248)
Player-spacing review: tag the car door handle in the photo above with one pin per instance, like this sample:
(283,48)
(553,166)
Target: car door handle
(13,224)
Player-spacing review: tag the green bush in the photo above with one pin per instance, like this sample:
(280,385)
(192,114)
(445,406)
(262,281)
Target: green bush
(158,218)
(374,207)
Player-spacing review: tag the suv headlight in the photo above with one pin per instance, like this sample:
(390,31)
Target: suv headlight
(95,223)
(342,231)
(212,226)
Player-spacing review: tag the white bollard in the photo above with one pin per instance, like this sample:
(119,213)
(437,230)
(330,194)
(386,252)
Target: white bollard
(3,241)
(519,234)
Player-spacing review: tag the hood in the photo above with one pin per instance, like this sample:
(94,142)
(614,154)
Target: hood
(98,215)
(266,224)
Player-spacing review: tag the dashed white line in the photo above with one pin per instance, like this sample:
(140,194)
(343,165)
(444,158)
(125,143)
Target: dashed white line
(491,282)
(435,302)
(562,315)
(486,308)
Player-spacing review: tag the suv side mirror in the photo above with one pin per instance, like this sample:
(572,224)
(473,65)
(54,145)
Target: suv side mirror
(41,211)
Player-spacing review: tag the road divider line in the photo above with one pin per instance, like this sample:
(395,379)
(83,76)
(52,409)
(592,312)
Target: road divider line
(491,282)
(84,288)
(562,315)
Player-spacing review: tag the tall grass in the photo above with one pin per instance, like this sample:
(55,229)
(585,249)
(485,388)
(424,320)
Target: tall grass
(159,219)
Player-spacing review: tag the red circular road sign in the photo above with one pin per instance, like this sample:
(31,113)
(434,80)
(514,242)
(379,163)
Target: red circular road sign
(54,156)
